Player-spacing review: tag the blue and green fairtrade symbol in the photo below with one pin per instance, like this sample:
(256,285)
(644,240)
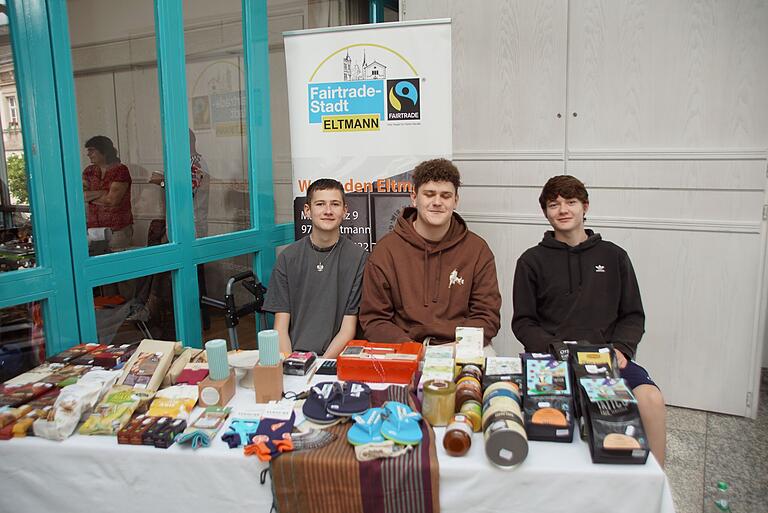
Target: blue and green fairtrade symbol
(403,89)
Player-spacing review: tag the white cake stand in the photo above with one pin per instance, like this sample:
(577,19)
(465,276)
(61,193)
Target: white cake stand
(243,363)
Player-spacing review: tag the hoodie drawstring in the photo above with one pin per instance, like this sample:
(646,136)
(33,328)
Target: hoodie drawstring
(426,276)
(579,269)
(436,295)
(570,277)
(436,289)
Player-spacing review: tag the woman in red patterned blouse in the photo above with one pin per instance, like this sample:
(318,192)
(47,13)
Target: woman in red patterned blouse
(107,191)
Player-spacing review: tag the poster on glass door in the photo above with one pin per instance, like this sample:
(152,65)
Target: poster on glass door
(367,103)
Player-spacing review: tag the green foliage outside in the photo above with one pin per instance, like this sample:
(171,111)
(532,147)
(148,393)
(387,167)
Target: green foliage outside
(17,179)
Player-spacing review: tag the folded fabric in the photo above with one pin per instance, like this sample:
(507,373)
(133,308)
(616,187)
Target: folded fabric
(316,405)
(385,449)
(354,397)
(401,424)
(367,428)
(203,430)
(312,439)
(240,432)
(191,376)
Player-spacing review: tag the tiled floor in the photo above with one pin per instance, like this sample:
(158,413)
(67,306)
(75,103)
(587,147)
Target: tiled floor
(703,448)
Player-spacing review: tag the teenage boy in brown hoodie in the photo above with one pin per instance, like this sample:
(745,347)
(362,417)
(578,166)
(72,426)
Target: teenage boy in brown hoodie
(431,274)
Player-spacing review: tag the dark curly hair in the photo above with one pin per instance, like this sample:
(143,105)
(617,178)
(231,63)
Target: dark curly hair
(565,186)
(103,145)
(435,170)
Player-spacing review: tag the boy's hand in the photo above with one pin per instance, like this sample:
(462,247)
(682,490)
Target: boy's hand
(621,358)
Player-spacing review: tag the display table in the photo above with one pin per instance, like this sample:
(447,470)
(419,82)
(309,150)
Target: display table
(94,473)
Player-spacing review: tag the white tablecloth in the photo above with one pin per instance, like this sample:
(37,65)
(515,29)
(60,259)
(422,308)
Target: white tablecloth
(96,474)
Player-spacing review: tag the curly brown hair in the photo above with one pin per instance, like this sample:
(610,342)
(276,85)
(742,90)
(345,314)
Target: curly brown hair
(565,186)
(435,170)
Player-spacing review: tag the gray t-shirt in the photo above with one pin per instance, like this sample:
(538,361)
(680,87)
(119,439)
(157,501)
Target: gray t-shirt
(316,300)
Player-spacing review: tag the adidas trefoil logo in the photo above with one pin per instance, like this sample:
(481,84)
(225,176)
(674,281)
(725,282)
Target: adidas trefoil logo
(599,268)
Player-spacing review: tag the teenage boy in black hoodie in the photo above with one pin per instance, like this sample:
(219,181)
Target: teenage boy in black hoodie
(574,285)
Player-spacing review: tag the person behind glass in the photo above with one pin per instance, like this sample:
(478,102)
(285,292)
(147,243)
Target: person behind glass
(107,192)
(314,290)
(200,184)
(574,285)
(154,296)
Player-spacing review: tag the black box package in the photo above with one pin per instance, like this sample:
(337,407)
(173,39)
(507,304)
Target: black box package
(587,360)
(615,433)
(547,398)
(299,363)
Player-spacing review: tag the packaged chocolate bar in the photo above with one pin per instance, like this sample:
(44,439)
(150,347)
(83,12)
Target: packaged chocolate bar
(165,437)
(614,429)
(114,411)
(133,432)
(74,402)
(67,375)
(545,376)
(73,352)
(88,358)
(176,402)
(23,426)
(148,366)
(10,415)
(503,368)
(17,395)
(39,373)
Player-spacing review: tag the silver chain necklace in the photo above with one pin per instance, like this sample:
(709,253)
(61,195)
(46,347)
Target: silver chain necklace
(320,265)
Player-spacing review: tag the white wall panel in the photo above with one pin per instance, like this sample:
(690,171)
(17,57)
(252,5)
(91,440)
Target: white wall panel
(99,118)
(672,74)
(508,72)
(671,137)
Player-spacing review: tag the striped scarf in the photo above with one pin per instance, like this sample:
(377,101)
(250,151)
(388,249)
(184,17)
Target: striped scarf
(331,480)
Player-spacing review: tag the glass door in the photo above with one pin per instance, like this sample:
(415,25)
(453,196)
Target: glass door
(38,309)
(166,141)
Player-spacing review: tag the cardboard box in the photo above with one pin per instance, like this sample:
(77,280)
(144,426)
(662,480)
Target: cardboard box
(217,392)
(268,382)
(148,366)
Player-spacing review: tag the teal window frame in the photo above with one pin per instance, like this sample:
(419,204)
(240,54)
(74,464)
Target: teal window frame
(51,281)
(184,252)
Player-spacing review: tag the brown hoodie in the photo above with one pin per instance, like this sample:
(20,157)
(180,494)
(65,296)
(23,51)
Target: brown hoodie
(414,288)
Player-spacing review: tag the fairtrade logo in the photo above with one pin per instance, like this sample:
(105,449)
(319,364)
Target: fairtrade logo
(403,99)
(403,89)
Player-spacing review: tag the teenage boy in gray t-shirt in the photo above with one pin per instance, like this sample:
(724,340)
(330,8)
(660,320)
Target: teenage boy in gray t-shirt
(314,291)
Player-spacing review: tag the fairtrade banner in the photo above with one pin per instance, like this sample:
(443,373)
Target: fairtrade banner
(367,103)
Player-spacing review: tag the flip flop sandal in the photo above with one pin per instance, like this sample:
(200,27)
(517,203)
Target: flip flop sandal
(316,406)
(367,428)
(402,424)
(355,397)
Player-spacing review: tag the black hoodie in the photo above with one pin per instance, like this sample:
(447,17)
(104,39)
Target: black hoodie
(585,292)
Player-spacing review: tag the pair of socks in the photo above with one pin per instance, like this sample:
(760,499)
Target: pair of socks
(272,437)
